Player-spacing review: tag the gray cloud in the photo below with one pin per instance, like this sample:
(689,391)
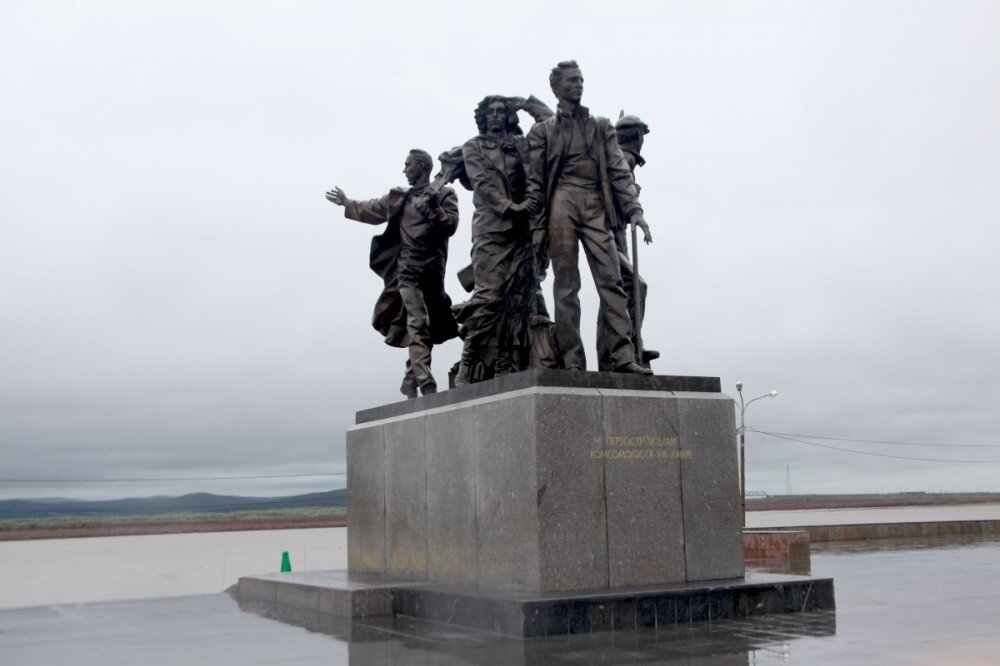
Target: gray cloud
(178,298)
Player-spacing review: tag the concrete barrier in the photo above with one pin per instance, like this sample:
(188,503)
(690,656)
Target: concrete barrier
(777,551)
(862,532)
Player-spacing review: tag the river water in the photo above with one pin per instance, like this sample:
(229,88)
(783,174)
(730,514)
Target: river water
(48,571)
(51,571)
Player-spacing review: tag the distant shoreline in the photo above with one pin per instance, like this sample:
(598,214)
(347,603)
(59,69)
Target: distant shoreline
(139,529)
(808,502)
(772,503)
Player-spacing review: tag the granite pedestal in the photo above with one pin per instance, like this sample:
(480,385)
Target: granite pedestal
(539,490)
(549,487)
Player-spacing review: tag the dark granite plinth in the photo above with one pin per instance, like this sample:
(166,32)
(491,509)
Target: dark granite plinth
(551,378)
(549,489)
(525,615)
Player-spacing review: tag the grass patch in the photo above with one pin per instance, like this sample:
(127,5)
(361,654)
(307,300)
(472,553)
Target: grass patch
(56,522)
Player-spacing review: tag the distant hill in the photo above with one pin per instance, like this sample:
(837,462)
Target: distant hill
(151,506)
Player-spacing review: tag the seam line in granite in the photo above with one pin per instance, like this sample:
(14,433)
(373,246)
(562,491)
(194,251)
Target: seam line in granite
(427,522)
(533,390)
(385,508)
(475,490)
(604,483)
(680,478)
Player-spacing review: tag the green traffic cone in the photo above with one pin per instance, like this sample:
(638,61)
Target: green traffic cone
(286,562)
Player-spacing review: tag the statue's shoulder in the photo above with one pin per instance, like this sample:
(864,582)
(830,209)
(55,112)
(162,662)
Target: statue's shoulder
(605,128)
(475,143)
(396,197)
(603,123)
(543,127)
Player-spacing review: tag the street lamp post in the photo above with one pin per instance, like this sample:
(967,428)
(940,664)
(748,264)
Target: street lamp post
(743,439)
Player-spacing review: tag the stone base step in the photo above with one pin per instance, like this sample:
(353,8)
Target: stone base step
(311,596)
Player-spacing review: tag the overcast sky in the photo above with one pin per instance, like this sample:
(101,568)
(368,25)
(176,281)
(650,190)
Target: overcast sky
(177,298)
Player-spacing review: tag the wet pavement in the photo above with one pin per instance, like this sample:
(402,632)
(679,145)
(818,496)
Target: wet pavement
(932,601)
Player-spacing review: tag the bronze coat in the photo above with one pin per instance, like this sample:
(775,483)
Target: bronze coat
(389,316)
(548,144)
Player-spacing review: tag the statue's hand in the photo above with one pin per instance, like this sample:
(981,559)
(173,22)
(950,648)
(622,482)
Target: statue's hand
(433,201)
(517,211)
(516,102)
(427,204)
(523,209)
(640,221)
(337,196)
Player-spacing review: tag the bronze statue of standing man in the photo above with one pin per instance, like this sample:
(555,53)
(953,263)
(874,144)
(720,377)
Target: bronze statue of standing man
(579,180)
(631,135)
(413,310)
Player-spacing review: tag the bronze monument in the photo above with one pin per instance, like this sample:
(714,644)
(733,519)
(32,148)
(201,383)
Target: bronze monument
(537,199)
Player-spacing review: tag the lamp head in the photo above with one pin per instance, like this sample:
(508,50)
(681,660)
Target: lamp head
(773,393)
(739,386)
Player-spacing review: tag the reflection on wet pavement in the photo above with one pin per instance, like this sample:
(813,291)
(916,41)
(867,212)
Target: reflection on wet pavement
(405,640)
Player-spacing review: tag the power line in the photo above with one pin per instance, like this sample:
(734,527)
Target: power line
(868,453)
(176,478)
(881,441)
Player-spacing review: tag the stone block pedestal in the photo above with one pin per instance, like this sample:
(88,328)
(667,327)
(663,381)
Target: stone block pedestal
(547,492)
(549,489)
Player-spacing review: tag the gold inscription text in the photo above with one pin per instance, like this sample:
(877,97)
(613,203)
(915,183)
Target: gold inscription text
(640,440)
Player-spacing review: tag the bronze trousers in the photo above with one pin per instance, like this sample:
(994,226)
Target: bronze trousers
(604,361)
(577,217)
(414,282)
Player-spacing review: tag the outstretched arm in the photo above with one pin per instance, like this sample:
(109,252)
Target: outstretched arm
(373,211)
(337,196)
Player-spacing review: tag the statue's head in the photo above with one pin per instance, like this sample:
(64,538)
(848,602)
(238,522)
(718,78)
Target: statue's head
(495,112)
(566,82)
(418,166)
(631,132)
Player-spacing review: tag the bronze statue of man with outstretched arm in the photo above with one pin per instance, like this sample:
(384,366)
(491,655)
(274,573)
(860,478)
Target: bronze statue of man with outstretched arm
(413,310)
